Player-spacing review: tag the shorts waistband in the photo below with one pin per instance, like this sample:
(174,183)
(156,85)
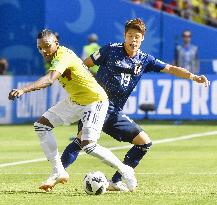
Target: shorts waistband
(87,104)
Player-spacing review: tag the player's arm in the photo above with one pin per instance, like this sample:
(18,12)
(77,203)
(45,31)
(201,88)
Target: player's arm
(183,73)
(98,57)
(42,82)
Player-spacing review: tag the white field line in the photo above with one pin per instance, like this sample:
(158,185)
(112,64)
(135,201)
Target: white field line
(185,137)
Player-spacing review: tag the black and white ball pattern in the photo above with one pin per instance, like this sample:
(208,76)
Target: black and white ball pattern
(95,183)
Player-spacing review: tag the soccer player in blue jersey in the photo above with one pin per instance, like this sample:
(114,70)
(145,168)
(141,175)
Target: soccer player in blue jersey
(121,66)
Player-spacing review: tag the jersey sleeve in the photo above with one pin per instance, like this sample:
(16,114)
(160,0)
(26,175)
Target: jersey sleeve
(99,56)
(60,64)
(154,64)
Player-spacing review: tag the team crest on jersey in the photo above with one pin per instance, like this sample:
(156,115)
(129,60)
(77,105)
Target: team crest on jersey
(137,68)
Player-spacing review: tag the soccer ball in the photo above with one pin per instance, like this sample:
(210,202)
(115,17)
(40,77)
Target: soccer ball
(95,183)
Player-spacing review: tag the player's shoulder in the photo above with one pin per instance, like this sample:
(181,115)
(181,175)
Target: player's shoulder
(148,58)
(65,50)
(142,55)
(66,53)
(63,55)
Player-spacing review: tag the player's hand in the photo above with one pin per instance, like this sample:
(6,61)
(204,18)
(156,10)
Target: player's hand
(202,79)
(15,93)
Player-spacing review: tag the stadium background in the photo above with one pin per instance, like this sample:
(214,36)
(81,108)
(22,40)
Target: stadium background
(181,166)
(173,98)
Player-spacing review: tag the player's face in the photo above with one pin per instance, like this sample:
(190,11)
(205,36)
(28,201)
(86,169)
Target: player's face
(133,40)
(47,46)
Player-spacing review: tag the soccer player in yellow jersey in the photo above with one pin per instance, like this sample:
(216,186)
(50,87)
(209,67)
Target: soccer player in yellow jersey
(87,102)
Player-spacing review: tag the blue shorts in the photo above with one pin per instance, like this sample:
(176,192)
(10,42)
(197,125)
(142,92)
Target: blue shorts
(118,125)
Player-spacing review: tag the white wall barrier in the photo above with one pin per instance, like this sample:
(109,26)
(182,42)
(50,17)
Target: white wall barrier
(173,98)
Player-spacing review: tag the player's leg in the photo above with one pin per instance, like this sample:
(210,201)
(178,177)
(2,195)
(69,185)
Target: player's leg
(142,144)
(43,128)
(55,116)
(71,152)
(135,154)
(122,128)
(92,125)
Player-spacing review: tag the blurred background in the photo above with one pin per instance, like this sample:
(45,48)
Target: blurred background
(80,23)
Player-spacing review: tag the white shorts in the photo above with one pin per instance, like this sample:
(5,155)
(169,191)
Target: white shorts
(92,116)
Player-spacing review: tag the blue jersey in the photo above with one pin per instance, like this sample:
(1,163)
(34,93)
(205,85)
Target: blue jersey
(118,73)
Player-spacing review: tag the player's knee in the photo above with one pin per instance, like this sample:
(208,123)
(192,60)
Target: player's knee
(89,135)
(141,138)
(85,143)
(88,148)
(41,129)
(45,121)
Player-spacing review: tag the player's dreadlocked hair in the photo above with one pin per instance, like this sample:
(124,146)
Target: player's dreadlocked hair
(137,24)
(47,32)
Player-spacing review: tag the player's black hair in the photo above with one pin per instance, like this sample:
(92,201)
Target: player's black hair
(137,24)
(47,32)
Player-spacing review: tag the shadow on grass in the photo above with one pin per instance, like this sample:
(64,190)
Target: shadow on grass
(67,193)
(27,192)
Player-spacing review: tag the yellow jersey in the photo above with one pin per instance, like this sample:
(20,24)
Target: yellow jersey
(76,78)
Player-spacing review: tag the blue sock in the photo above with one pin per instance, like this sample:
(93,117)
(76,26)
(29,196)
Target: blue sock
(132,158)
(71,152)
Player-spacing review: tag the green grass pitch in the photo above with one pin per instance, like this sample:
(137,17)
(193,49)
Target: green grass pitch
(179,172)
